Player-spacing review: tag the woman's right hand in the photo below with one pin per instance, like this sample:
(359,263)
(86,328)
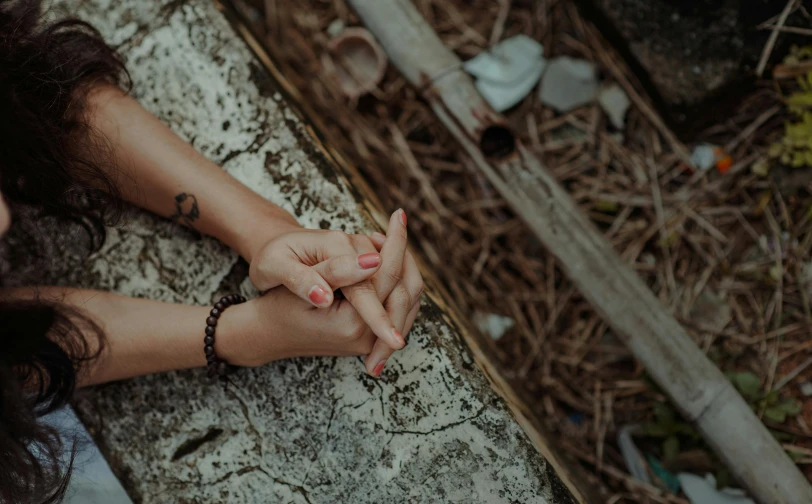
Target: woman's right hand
(280,325)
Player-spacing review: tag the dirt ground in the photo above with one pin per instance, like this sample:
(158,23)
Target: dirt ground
(726,253)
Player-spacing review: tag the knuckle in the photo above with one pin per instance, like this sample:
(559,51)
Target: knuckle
(348,327)
(333,268)
(340,237)
(421,288)
(401,298)
(356,330)
(364,289)
(360,240)
(393,275)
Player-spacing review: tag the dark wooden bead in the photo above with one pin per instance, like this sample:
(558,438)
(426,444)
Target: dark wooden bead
(216,366)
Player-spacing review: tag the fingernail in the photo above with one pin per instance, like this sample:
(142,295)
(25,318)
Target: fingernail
(398,337)
(379,237)
(403,216)
(369,261)
(378,369)
(318,296)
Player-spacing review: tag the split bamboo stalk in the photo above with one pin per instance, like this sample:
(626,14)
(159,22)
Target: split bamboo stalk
(694,384)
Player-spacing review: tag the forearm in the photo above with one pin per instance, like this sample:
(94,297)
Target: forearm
(140,336)
(158,171)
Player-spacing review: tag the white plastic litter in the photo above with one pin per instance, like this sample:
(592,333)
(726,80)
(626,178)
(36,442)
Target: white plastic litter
(635,461)
(508,71)
(568,83)
(703,157)
(492,324)
(615,103)
(701,490)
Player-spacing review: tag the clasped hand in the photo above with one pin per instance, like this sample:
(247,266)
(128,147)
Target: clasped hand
(302,313)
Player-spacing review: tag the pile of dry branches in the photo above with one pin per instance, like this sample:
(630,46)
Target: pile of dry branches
(724,252)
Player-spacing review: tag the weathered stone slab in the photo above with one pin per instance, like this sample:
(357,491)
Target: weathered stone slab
(304,430)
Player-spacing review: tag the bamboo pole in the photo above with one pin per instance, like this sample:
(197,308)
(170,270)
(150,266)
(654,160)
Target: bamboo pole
(694,384)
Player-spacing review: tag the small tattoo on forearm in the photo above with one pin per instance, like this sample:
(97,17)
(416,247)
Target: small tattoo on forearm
(186,210)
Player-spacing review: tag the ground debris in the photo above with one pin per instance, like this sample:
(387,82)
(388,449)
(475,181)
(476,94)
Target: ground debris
(685,231)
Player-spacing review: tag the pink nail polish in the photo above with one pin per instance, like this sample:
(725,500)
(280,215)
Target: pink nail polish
(369,261)
(378,369)
(318,296)
(398,337)
(403,217)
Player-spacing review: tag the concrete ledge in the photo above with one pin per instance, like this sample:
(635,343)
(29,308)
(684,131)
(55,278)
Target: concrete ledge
(304,430)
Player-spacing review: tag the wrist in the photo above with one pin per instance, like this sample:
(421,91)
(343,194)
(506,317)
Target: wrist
(253,239)
(235,336)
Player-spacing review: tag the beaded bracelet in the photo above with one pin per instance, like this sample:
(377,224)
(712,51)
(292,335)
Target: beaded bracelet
(215,365)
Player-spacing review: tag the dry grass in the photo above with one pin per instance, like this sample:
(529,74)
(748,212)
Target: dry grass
(687,234)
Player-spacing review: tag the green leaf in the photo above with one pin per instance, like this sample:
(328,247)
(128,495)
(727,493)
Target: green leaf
(747,383)
(607,206)
(670,448)
(722,478)
(686,429)
(781,437)
(655,430)
(663,411)
(790,406)
(775,414)
(771,398)
(761,167)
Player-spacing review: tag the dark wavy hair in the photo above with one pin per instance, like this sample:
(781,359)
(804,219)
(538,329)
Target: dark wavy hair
(53,162)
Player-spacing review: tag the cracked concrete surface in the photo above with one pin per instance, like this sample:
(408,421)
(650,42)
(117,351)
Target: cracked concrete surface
(306,430)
